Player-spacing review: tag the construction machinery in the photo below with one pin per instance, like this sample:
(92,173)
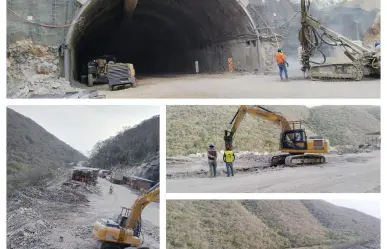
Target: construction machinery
(116,178)
(106,70)
(97,69)
(126,230)
(365,62)
(296,147)
(120,74)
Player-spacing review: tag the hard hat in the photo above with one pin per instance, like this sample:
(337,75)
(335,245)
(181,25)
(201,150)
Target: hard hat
(377,44)
(211,145)
(279,49)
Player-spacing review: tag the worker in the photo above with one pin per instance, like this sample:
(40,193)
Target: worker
(212,157)
(111,189)
(282,63)
(229,158)
(377,46)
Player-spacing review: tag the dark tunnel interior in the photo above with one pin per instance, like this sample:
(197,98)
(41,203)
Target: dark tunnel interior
(158,37)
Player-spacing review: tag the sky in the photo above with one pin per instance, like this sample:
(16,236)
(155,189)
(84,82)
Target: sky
(370,207)
(83,126)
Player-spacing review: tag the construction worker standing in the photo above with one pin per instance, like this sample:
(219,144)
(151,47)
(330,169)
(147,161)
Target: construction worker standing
(212,157)
(282,63)
(229,158)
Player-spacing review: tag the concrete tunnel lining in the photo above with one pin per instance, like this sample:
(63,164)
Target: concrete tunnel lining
(163,36)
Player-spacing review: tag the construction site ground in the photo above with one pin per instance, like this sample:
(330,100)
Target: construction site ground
(349,173)
(236,85)
(41,222)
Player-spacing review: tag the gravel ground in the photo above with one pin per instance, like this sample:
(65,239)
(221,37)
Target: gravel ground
(243,86)
(345,173)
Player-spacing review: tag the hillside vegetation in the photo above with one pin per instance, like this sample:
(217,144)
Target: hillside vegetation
(133,148)
(266,224)
(191,128)
(32,152)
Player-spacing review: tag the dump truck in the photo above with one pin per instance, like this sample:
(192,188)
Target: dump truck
(116,178)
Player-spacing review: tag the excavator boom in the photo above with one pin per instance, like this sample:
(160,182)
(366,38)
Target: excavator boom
(254,111)
(364,61)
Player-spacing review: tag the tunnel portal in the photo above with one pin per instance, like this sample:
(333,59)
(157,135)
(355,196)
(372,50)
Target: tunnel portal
(163,36)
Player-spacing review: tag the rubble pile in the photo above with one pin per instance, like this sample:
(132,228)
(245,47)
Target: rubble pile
(352,149)
(27,216)
(33,69)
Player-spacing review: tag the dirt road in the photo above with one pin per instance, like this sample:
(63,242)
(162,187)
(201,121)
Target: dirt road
(242,86)
(354,173)
(41,221)
(105,206)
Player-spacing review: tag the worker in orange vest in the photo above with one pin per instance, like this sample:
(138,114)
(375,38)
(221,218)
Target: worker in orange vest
(282,63)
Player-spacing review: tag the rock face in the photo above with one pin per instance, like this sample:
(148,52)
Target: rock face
(356,19)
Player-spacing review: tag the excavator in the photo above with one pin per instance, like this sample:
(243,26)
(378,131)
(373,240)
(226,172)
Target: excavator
(126,230)
(296,147)
(312,35)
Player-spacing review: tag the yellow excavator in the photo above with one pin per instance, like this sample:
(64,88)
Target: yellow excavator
(126,231)
(298,149)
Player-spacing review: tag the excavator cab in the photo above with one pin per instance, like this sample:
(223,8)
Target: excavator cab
(123,216)
(295,138)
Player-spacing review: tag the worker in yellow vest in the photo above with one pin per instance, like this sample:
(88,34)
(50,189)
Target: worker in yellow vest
(228,158)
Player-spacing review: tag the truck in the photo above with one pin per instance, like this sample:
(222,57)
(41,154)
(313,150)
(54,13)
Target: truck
(116,178)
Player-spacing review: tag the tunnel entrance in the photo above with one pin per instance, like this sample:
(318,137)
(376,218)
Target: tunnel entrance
(163,37)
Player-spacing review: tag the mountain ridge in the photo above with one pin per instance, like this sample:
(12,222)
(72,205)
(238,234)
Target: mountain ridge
(266,224)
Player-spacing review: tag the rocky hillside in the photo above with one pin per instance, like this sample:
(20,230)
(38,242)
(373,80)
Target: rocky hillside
(32,152)
(133,151)
(268,224)
(191,128)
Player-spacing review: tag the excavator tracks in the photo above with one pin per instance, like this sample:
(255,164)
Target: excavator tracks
(297,160)
(337,72)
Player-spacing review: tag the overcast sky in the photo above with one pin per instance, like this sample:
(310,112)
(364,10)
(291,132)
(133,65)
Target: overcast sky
(370,207)
(83,126)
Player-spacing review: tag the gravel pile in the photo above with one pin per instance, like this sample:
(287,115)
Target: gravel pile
(29,218)
(33,69)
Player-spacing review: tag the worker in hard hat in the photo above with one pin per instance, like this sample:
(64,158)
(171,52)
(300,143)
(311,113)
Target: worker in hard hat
(212,156)
(229,158)
(282,63)
(377,47)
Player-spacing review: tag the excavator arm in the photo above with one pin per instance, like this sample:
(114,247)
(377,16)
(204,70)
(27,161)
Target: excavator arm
(311,37)
(152,195)
(257,111)
(127,230)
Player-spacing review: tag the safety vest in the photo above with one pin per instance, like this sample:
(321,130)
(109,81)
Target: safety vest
(229,156)
(280,57)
